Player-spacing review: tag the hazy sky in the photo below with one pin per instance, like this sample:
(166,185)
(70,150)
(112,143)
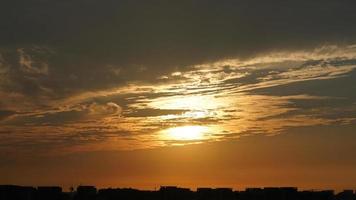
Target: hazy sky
(130,93)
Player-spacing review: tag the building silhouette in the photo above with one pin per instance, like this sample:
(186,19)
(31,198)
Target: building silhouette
(13,192)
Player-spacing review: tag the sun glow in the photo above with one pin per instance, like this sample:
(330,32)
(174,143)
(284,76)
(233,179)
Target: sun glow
(186,133)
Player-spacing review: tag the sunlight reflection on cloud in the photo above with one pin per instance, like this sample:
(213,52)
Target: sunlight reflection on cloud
(214,101)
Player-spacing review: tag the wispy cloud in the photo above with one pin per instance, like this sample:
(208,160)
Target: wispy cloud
(231,98)
(28,65)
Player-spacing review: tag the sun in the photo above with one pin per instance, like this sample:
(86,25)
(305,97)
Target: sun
(186,133)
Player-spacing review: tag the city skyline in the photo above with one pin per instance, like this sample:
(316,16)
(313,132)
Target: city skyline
(168,193)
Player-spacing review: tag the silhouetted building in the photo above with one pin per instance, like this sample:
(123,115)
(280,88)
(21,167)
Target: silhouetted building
(205,194)
(283,193)
(52,193)
(251,194)
(85,193)
(127,194)
(175,193)
(12,192)
(346,195)
(215,194)
(316,195)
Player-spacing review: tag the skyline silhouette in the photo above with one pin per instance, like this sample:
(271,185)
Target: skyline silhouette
(13,192)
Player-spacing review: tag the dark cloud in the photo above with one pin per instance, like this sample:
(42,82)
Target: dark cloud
(119,41)
(81,112)
(343,87)
(58,118)
(6,113)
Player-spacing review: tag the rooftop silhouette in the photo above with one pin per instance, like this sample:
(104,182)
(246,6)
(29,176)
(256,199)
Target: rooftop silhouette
(13,192)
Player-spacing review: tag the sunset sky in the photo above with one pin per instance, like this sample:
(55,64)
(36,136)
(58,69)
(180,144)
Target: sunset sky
(143,93)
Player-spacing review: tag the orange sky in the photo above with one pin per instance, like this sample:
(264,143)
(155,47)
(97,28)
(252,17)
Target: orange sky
(316,161)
